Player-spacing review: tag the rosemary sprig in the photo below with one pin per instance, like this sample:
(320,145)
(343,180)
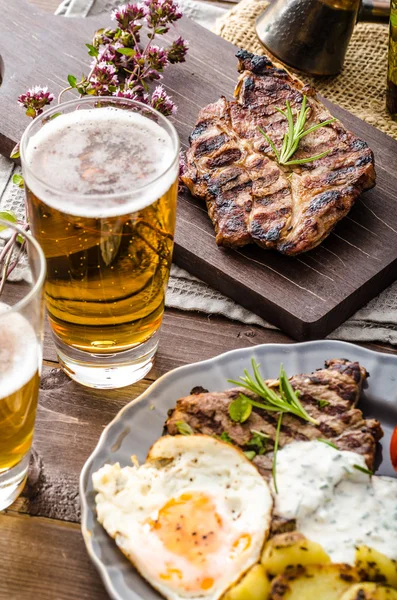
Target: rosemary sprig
(286,401)
(296,131)
(328,443)
(275,450)
(363,470)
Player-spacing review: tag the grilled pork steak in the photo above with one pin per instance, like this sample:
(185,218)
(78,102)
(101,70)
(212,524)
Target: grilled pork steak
(251,197)
(329,395)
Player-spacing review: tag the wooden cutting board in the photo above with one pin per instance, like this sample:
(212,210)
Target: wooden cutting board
(307,296)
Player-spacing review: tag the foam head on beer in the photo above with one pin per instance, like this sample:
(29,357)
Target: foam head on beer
(19,352)
(100,152)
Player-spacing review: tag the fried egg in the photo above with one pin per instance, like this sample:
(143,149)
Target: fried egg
(192,519)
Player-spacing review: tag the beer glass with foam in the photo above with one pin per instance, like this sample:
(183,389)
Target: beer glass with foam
(101,178)
(21,329)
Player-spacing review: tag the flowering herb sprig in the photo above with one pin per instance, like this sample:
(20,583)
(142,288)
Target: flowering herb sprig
(12,248)
(125,61)
(35,100)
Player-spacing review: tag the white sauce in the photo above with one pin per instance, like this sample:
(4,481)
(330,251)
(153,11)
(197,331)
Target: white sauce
(335,504)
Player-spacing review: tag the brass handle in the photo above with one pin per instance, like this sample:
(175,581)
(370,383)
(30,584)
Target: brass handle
(375,11)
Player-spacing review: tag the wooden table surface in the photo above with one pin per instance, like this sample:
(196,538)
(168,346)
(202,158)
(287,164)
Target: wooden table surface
(42,554)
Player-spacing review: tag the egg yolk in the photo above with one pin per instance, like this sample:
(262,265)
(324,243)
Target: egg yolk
(189,526)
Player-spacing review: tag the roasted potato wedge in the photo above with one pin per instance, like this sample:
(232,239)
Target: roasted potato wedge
(291,549)
(255,585)
(375,566)
(325,582)
(369,591)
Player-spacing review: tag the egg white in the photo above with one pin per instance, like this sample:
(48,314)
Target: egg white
(192,519)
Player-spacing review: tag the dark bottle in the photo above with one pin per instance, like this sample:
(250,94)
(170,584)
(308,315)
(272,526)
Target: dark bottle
(391,97)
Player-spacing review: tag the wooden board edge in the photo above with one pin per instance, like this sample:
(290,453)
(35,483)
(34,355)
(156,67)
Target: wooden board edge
(299,329)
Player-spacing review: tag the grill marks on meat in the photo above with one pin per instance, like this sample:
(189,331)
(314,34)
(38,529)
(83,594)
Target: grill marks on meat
(249,196)
(339,384)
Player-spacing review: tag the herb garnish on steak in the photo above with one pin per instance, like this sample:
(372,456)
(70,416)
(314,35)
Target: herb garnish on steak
(328,395)
(250,197)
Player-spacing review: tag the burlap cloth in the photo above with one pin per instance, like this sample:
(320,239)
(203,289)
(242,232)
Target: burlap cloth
(360,88)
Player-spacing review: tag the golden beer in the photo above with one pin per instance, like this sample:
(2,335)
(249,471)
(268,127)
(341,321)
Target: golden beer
(19,385)
(106,277)
(101,188)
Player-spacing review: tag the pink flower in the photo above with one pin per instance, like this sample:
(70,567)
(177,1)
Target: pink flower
(177,51)
(161,13)
(103,78)
(35,100)
(157,58)
(162,102)
(127,14)
(108,52)
(136,93)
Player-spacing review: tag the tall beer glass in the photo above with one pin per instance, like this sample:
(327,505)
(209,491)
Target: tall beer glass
(101,187)
(21,329)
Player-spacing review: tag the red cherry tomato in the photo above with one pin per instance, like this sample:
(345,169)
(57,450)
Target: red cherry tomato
(393,449)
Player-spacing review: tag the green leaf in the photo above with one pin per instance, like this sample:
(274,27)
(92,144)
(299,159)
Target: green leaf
(303,161)
(363,470)
(265,436)
(328,443)
(322,403)
(7,215)
(184,428)
(72,81)
(15,152)
(20,239)
(240,409)
(250,454)
(269,141)
(276,442)
(18,180)
(55,115)
(315,127)
(126,51)
(225,437)
(294,134)
(258,441)
(31,113)
(92,51)
(292,398)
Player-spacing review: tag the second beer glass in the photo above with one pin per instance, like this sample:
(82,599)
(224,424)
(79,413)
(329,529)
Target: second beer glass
(101,183)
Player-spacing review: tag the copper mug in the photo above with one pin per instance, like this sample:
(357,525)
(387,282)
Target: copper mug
(313,35)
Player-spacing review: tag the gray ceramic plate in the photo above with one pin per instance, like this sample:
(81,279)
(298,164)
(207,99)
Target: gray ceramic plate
(141,422)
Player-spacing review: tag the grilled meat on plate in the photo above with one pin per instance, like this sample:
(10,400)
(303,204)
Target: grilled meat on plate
(329,395)
(251,197)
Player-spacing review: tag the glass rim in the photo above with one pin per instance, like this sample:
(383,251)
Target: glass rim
(38,285)
(86,100)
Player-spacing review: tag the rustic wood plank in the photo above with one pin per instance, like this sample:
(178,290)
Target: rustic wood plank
(307,296)
(45,560)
